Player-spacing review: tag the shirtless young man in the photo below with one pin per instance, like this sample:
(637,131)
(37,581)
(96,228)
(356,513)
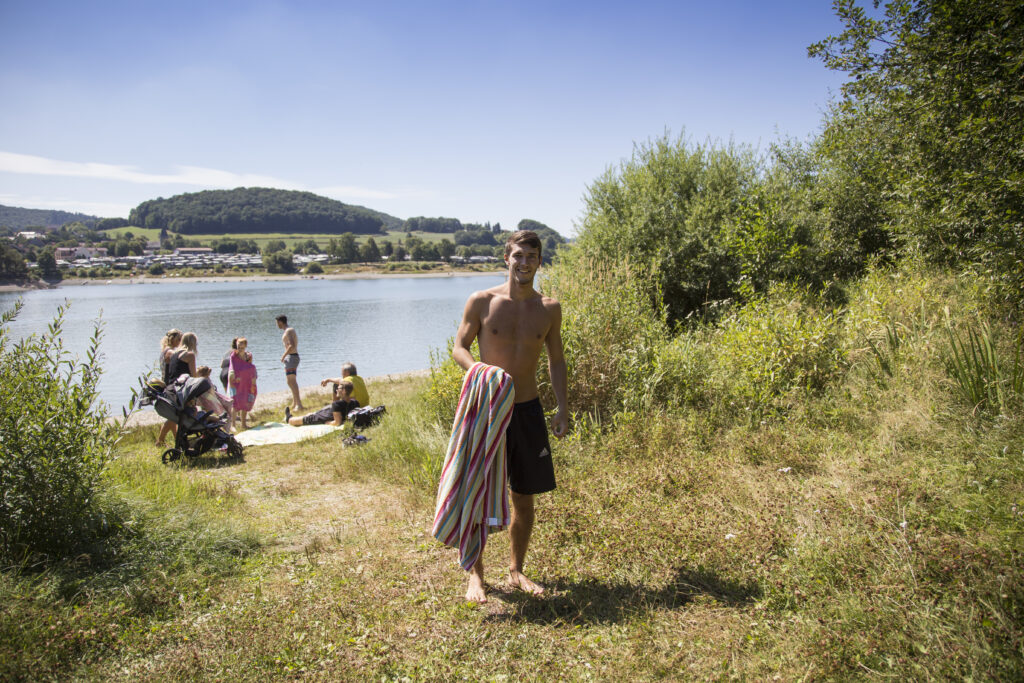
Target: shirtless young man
(290,358)
(512,323)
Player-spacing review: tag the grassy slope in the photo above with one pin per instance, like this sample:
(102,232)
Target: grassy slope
(873,531)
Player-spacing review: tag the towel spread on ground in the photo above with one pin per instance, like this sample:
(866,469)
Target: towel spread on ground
(471,498)
(278,432)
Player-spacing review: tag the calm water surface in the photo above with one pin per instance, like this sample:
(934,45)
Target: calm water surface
(382,325)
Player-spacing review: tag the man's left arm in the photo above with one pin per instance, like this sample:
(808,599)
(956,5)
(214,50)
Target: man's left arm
(558,371)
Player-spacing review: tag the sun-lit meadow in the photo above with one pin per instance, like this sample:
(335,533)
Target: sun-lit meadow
(869,528)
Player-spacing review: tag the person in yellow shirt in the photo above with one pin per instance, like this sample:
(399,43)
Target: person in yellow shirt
(349,374)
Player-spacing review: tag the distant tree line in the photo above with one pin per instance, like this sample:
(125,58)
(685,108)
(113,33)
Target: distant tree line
(14,219)
(254,210)
(467,239)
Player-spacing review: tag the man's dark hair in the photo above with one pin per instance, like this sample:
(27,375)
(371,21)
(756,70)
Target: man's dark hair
(282,319)
(527,237)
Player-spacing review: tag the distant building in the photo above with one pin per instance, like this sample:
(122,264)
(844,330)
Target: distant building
(185,251)
(29,235)
(72,253)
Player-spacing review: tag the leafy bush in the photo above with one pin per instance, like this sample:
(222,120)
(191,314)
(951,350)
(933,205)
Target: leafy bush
(314,268)
(278,262)
(681,370)
(933,104)
(712,223)
(775,344)
(56,444)
(156,269)
(612,332)
(664,210)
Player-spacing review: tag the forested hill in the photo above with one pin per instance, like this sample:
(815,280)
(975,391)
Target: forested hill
(19,219)
(257,210)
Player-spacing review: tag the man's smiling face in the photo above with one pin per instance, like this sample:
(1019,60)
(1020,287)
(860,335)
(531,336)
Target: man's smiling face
(523,261)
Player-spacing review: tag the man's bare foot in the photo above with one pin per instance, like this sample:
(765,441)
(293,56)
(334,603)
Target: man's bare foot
(519,580)
(476,591)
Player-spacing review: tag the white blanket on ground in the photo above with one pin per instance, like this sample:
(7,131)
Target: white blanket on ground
(278,432)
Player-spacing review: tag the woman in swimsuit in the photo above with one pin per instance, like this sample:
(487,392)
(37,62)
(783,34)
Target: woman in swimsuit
(167,345)
(182,361)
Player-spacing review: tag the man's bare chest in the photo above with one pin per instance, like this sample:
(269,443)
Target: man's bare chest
(518,323)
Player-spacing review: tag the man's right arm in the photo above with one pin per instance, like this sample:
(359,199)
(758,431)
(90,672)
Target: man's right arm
(468,329)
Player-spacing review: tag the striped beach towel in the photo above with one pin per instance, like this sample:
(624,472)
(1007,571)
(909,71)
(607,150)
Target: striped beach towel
(471,498)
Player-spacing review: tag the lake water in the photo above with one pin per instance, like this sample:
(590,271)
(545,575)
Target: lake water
(382,325)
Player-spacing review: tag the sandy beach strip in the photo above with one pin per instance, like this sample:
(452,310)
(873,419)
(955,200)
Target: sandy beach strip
(276,400)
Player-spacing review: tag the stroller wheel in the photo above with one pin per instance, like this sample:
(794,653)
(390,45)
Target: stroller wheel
(170,455)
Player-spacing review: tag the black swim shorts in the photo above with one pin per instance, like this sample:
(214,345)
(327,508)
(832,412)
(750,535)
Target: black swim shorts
(530,469)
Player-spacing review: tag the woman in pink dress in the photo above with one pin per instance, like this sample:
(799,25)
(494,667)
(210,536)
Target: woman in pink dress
(241,379)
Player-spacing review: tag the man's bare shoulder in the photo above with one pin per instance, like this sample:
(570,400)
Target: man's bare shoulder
(550,304)
(485,296)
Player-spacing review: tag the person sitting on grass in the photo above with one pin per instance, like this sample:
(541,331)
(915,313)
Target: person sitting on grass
(333,414)
(348,373)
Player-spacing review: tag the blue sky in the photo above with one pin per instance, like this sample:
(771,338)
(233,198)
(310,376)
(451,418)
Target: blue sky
(478,110)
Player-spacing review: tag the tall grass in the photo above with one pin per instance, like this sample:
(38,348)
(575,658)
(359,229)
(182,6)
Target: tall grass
(776,344)
(974,364)
(612,332)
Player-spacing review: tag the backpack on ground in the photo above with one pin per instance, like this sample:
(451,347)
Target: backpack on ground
(366,417)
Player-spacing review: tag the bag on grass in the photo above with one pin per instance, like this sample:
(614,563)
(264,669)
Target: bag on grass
(366,417)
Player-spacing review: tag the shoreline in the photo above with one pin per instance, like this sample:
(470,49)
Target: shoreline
(147,417)
(150,280)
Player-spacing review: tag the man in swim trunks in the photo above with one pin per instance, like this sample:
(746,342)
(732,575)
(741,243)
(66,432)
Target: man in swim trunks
(513,323)
(290,358)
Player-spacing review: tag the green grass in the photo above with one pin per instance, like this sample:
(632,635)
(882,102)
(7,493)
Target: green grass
(868,529)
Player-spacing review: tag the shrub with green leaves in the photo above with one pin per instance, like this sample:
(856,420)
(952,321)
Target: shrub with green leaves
(664,211)
(612,333)
(681,372)
(776,344)
(55,443)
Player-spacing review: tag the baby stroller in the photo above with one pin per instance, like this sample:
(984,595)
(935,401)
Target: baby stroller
(198,431)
